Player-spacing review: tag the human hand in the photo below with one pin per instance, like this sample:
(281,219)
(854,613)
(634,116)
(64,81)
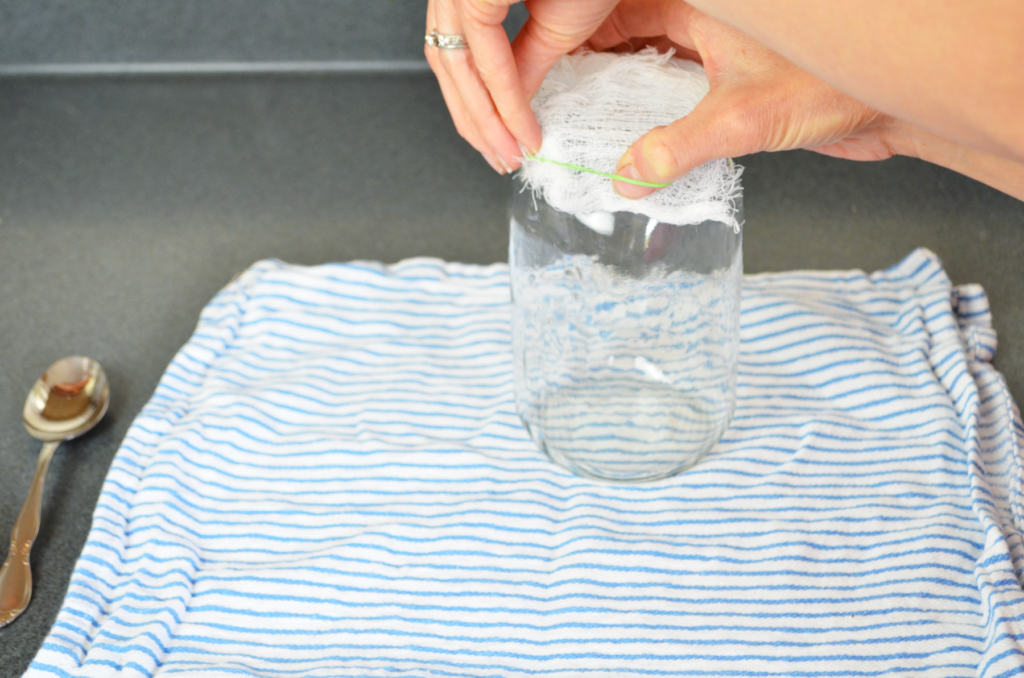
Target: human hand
(758,100)
(488,87)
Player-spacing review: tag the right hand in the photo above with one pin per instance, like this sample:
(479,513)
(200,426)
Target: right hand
(758,100)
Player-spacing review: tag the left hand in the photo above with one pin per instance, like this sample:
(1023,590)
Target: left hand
(488,87)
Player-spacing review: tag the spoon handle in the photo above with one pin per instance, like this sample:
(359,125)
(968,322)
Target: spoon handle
(16,575)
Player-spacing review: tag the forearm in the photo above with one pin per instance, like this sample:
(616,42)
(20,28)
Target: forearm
(952,68)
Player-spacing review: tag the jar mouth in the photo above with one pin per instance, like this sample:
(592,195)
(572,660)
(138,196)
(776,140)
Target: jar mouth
(726,209)
(590,103)
(635,244)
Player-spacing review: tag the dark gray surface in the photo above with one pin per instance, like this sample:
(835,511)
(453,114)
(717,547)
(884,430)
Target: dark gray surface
(76,31)
(34,32)
(126,204)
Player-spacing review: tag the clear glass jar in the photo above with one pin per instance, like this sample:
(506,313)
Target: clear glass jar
(625,334)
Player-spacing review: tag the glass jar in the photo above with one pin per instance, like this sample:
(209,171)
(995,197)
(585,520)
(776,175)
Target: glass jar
(625,335)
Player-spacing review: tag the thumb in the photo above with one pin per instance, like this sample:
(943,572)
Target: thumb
(554,29)
(720,126)
(536,49)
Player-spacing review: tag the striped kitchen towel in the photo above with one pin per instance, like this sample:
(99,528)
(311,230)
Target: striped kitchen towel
(331,480)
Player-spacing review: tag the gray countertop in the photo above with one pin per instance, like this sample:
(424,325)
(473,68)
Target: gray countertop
(126,203)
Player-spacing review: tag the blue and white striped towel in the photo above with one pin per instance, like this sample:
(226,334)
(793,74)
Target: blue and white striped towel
(331,480)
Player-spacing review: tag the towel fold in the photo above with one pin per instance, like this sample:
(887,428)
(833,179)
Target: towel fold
(331,480)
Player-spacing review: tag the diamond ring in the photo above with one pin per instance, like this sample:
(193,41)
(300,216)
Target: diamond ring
(442,41)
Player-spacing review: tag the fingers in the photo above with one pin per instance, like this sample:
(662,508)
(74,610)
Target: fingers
(489,86)
(757,100)
(479,107)
(497,71)
(464,124)
(721,126)
(782,108)
(469,100)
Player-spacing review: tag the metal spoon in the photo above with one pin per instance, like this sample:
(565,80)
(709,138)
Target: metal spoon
(68,400)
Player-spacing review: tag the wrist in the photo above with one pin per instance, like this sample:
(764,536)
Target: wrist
(912,141)
(906,139)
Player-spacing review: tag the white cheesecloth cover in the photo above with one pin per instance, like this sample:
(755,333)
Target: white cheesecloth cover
(593,106)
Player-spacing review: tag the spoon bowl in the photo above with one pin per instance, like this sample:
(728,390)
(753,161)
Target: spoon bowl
(69,399)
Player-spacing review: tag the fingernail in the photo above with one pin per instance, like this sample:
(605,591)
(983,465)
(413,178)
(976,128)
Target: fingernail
(493,162)
(528,149)
(628,190)
(505,166)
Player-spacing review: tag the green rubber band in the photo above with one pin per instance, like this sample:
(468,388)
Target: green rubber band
(616,177)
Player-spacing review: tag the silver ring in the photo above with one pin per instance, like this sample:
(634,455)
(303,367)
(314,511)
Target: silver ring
(442,41)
